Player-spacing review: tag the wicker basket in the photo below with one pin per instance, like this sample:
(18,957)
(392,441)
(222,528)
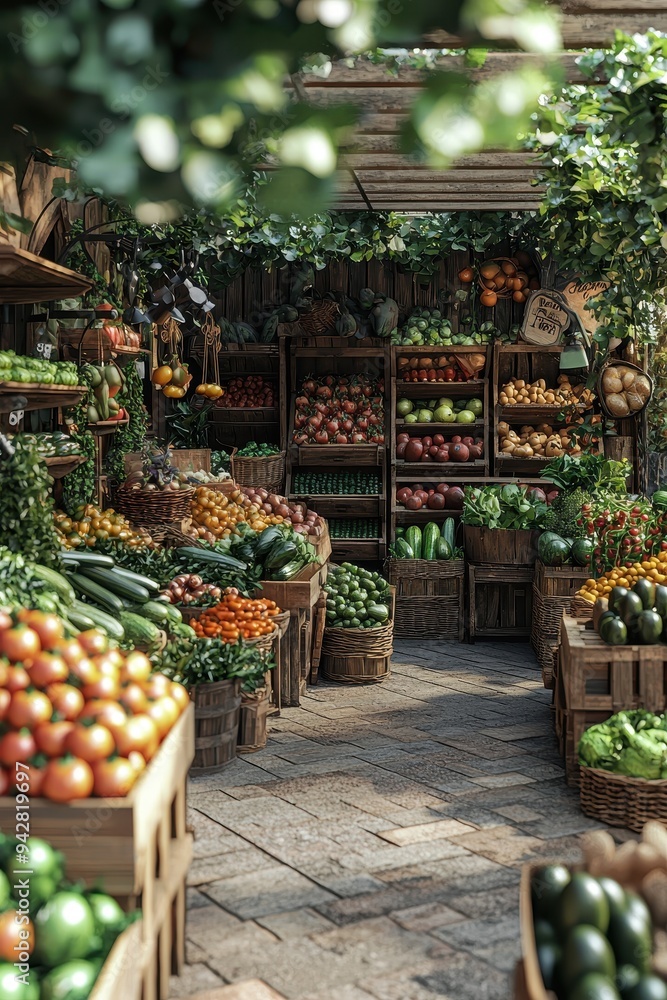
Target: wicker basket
(320,319)
(581,608)
(266,472)
(620,801)
(358,655)
(600,394)
(429,598)
(502,293)
(155,507)
(545,630)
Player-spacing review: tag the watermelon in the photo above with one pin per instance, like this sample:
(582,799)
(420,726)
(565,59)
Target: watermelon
(659,499)
(552,549)
(582,550)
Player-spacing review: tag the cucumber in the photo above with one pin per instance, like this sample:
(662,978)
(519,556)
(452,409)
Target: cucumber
(142,581)
(430,537)
(138,630)
(378,612)
(56,581)
(155,611)
(116,584)
(289,570)
(281,554)
(206,555)
(89,588)
(448,531)
(413,537)
(79,620)
(102,620)
(89,558)
(403,550)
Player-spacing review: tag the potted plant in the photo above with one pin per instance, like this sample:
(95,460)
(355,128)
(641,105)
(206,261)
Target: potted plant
(501,524)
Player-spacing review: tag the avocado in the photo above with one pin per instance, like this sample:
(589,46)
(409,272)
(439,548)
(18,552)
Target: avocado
(594,987)
(646,988)
(586,950)
(636,905)
(627,976)
(548,956)
(631,939)
(546,887)
(583,901)
(616,896)
(545,933)
(645,589)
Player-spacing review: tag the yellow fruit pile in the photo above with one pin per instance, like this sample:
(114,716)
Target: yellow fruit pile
(654,569)
(216,515)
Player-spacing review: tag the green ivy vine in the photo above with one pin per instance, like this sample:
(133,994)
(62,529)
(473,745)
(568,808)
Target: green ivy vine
(79,485)
(128,437)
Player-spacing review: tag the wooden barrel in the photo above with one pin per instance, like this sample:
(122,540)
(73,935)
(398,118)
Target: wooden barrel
(501,546)
(216,724)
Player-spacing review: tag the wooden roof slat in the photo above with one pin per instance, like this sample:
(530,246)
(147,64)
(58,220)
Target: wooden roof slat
(579,30)
(444,188)
(26,278)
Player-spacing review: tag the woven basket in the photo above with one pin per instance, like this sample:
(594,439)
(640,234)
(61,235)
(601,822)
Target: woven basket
(620,801)
(581,608)
(155,507)
(502,293)
(600,395)
(429,598)
(545,630)
(320,319)
(216,725)
(266,472)
(358,655)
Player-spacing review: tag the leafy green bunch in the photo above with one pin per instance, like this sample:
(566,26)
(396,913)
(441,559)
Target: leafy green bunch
(633,743)
(128,437)
(26,511)
(208,661)
(508,507)
(589,472)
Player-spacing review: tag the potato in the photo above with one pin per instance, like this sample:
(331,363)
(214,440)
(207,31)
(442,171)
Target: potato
(544,429)
(503,427)
(527,429)
(599,849)
(634,400)
(642,387)
(503,399)
(655,834)
(549,397)
(629,379)
(611,382)
(519,383)
(617,405)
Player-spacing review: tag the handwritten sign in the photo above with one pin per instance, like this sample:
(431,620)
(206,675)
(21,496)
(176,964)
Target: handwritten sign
(15,418)
(577,294)
(544,319)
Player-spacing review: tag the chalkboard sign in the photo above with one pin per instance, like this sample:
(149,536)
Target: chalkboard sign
(545,319)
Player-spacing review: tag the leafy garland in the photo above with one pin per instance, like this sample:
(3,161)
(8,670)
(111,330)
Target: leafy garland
(128,437)
(26,513)
(79,485)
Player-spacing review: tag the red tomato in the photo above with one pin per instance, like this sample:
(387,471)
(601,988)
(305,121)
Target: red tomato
(67,778)
(29,708)
(157,686)
(103,710)
(19,644)
(139,733)
(15,936)
(47,668)
(113,777)
(5,698)
(49,628)
(164,713)
(133,698)
(36,780)
(180,695)
(18,679)
(70,650)
(137,667)
(107,666)
(17,747)
(137,761)
(93,641)
(90,743)
(5,620)
(85,672)
(51,737)
(66,699)
(4,673)
(103,687)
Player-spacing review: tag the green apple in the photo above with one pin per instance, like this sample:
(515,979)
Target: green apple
(476,406)
(411,418)
(465,417)
(446,401)
(404,406)
(425,416)
(442,414)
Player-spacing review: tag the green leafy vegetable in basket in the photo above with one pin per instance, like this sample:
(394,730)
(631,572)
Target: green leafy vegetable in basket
(633,743)
(510,506)
(254,450)
(207,661)
(356,598)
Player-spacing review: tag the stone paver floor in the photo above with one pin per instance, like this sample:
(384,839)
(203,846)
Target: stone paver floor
(373,850)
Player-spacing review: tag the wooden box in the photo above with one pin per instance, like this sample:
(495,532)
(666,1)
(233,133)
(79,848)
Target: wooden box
(497,546)
(252,734)
(301,592)
(121,974)
(499,601)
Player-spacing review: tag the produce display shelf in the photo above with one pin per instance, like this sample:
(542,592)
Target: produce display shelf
(342,504)
(61,465)
(339,454)
(338,352)
(421,470)
(44,397)
(435,389)
(451,426)
(244,414)
(358,549)
(535,459)
(522,413)
(469,480)
(104,427)
(424,515)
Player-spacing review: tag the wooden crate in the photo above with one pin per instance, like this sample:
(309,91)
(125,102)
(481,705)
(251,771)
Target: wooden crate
(553,590)
(570,725)
(499,547)
(602,678)
(252,734)
(499,601)
(429,598)
(301,592)
(337,454)
(121,975)
(292,663)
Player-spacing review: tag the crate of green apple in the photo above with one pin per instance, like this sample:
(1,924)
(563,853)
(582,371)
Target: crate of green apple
(438,497)
(435,448)
(339,409)
(444,410)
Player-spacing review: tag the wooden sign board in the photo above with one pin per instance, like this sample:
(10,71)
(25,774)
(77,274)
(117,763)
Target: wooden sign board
(545,319)
(577,293)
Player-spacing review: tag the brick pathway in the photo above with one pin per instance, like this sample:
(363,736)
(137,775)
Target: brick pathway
(373,850)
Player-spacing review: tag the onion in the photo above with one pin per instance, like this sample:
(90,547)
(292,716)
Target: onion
(282,510)
(274,500)
(297,517)
(178,592)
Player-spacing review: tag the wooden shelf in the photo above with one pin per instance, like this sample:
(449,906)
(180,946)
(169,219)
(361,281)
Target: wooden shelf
(339,352)
(342,504)
(453,427)
(424,515)
(522,413)
(60,465)
(104,427)
(420,469)
(44,397)
(244,415)
(358,549)
(339,454)
(434,390)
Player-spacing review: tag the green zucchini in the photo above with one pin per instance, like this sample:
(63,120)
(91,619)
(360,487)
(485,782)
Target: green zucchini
(289,570)
(142,581)
(403,550)
(430,537)
(443,549)
(155,611)
(56,581)
(81,621)
(86,587)
(448,531)
(174,616)
(116,584)
(138,630)
(108,623)
(89,558)
(206,555)
(281,553)
(413,537)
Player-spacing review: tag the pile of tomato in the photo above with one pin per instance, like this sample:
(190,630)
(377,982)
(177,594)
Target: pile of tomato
(237,617)
(85,717)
